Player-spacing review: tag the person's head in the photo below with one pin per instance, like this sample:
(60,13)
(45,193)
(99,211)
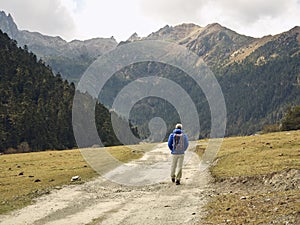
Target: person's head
(178,126)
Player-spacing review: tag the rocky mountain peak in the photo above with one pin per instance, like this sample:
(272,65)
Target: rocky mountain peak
(216,28)
(134,37)
(160,32)
(295,31)
(187,26)
(176,34)
(8,25)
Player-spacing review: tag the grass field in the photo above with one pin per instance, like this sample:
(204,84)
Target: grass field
(253,177)
(28,175)
(258,180)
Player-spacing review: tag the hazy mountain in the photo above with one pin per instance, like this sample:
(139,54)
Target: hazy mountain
(68,58)
(8,25)
(220,46)
(260,77)
(177,33)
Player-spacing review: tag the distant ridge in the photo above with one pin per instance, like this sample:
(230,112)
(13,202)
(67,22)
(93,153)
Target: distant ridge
(70,59)
(218,45)
(260,77)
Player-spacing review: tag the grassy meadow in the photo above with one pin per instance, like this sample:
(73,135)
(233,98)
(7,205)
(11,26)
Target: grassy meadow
(255,179)
(28,175)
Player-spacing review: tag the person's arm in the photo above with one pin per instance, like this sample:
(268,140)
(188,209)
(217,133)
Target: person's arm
(170,142)
(186,142)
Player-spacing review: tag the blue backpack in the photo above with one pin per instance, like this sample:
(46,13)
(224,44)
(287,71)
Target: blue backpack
(178,142)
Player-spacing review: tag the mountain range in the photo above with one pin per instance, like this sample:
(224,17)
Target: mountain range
(217,45)
(70,59)
(260,77)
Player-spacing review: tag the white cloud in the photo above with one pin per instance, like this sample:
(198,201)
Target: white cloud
(106,18)
(83,19)
(250,11)
(173,11)
(253,17)
(258,18)
(46,16)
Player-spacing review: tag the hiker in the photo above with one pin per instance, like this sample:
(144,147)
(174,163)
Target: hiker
(178,143)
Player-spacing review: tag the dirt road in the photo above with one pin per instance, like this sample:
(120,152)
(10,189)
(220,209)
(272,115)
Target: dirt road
(102,201)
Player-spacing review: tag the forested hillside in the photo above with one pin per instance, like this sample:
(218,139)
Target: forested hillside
(261,87)
(36,106)
(260,78)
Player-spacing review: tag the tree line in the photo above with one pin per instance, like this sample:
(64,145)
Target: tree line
(36,106)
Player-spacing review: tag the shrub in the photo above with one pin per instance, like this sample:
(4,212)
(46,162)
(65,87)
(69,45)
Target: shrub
(271,128)
(23,147)
(10,151)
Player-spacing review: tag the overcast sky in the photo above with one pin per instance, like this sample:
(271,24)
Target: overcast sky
(84,19)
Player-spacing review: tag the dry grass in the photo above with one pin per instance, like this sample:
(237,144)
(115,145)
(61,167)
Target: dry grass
(264,208)
(242,54)
(20,173)
(199,150)
(258,155)
(243,165)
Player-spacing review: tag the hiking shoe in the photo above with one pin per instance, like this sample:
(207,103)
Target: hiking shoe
(177,182)
(173,179)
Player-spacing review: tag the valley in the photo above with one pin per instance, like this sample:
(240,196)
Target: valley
(70,153)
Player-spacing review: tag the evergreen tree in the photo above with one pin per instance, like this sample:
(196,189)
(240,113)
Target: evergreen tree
(36,106)
(291,120)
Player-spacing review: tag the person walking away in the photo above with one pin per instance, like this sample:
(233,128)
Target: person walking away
(178,144)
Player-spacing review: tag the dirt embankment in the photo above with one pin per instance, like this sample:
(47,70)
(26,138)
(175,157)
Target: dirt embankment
(261,199)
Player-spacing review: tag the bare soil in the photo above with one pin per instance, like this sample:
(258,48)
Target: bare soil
(101,201)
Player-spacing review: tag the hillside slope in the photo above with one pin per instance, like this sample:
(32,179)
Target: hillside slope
(36,106)
(259,76)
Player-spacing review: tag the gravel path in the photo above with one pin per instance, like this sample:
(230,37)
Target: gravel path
(102,201)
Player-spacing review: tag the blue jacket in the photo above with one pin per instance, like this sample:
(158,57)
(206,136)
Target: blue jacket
(171,140)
